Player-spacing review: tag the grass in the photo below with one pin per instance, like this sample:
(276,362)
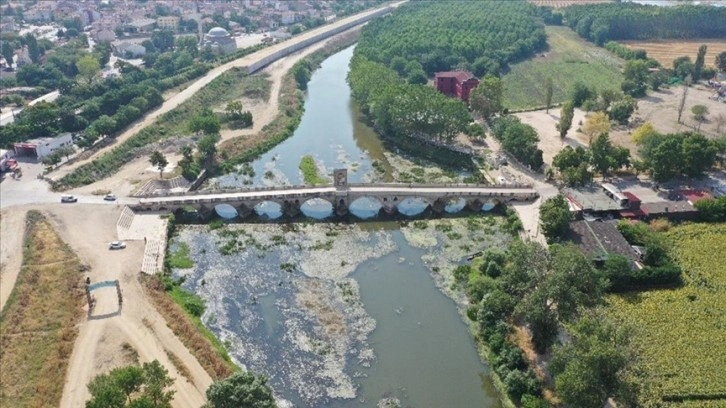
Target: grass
(179,365)
(310,172)
(180,258)
(38,324)
(569,59)
(201,342)
(680,332)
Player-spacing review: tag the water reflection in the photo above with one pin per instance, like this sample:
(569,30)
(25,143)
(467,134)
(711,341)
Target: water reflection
(412,207)
(454,206)
(365,207)
(317,208)
(226,211)
(269,209)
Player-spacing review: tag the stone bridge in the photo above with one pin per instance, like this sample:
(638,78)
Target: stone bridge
(340,196)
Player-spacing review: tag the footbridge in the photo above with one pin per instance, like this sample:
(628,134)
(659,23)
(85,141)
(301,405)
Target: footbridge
(340,195)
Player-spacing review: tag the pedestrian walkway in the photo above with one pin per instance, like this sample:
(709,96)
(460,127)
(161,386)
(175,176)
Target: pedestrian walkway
(151,228)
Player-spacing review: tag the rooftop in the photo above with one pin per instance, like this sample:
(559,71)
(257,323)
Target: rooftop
(459,75)
(598,239)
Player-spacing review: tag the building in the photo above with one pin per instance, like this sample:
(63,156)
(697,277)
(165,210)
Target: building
(42,147)
(105,36)
(143,25)
(5,159)
(168,22)
(288,17)
(456,83)
(220,41)
(129,50)
(600,239)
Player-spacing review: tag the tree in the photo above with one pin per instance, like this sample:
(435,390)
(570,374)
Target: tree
(643,131)
(597,124)
(699,114)
(88,67)
(104,125)
(66,151)
(206,122)
(580,93)
(234,109)
(700,60)
(721,61)
(636,78)
(621,110)
(51,160)
(207,148)
(682,103)
(8,52)
(132,387)
(606,157)
(163,40)
(157,159)
(567,113)
(549,89)
(555,217)
(486,99)
(594,365)
(241,389)
(573,165)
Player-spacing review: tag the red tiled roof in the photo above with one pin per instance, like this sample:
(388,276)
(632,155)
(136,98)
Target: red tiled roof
(460,76)
(631,197)
(695,196)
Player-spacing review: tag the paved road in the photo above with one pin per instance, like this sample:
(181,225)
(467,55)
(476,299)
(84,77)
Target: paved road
(9,117)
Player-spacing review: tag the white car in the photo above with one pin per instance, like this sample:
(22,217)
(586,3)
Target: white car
(67,198)
(110,197)
(117,245)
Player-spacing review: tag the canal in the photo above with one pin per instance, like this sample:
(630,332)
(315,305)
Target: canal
(340,315)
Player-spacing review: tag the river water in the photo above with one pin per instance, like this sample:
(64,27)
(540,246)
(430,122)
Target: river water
(340,315)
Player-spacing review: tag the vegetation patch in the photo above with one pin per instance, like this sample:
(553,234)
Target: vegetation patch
(201,342)
(311,175)
(38,323)
(679,332)
(569,60)
(180,258)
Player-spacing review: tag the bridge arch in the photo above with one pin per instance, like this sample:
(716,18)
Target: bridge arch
(412,206)
(365,207)
(318,208)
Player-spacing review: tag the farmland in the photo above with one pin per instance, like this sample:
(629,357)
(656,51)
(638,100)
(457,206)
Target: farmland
(568,60)
(679,332)
(565,3)
(665,51)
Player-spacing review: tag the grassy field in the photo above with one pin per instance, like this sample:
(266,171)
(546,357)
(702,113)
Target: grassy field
(569,59)
(665,51)
(37,326)
(681,333)
(311,175)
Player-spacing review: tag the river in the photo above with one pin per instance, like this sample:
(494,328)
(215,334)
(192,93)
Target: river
(342,315)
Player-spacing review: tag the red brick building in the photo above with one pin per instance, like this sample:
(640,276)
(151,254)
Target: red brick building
(456,83)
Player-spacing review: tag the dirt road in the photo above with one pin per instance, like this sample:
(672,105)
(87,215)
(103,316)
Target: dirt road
(182,96)
(88,229)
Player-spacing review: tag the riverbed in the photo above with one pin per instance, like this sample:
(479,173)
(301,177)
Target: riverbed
(344,315)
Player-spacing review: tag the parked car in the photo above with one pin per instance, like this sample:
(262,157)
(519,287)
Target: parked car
(67,198)
(110,197)
(117,245)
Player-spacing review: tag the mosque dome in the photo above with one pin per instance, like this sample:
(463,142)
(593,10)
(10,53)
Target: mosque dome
(218,32)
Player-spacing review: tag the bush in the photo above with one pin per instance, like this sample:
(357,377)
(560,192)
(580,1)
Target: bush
(519,383)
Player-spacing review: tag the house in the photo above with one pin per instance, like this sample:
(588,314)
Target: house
(456,83)
(168,22)
(129,50)
(600,239)
(288,17)
(42,147)
(105,36)
(143,25)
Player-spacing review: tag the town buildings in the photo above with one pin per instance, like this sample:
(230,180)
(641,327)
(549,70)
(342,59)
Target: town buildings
(456,83)
(220,41)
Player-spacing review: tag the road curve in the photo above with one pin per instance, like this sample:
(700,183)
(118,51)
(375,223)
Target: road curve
(182,96)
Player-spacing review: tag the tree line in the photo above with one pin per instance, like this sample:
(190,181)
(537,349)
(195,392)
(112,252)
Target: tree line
(604,22)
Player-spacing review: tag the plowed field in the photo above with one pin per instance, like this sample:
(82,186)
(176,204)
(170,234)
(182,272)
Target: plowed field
(666,51)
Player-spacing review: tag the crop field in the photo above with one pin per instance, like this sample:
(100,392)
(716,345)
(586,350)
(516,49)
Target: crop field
(568,60)
(38,325)
(679,333)
(665,51)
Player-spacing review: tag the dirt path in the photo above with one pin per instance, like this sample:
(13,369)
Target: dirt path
(182,96)
(88,229)
(12,230)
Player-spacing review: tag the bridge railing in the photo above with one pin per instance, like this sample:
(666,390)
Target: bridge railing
(329,186)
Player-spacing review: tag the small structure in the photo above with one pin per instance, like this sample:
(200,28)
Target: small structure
(220,41)
(105,35)
(42,147)
(5,159)
(456,83)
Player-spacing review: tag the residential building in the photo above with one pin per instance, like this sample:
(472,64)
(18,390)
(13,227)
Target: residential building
(288,17)
(129,50)
(456,83)
(168,22)
(42,147)
(143,25)
(105,36)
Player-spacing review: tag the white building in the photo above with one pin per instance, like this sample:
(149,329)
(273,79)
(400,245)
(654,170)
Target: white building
(42,147)
(220,41)
(168,22)
(129,50)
